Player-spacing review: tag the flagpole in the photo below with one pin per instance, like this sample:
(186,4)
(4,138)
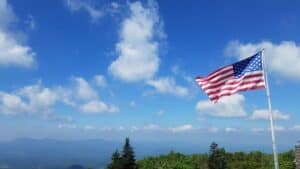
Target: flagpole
(270,113)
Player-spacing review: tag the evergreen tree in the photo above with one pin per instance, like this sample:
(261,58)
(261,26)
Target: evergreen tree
(128,158)
(217,157)
(116,161)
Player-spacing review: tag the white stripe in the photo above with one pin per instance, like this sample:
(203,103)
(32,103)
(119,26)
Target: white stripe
(218,72)
(230,80)
(217,78)
(238,82)
(237,89)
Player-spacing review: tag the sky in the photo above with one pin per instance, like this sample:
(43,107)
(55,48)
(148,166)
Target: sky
(84,69)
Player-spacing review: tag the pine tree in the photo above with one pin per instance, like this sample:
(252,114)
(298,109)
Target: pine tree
(116,161)
(217,157)
(128,158)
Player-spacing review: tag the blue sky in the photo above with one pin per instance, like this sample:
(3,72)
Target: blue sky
(80,69)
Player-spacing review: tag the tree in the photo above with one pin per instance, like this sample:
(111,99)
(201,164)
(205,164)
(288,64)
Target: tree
(116,161)
(217,157)
(128,158)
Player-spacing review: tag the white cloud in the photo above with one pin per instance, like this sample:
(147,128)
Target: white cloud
(230,129)
(295,128)
(11,104)
(84,90)
(168,85)
(66,125)
(13,52)
(88,127)
(78,5)
(229,106)
(134,129)
(36,99)
(32,99)
(7,15)
(40,98)
(96,106)
(279,128)
(257,130)
(183,128)
(151,127)
(263,114)
(100,80)
(278,56)
(137,49)
(121,128)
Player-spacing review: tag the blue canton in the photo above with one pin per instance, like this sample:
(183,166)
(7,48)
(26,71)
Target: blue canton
(251,64)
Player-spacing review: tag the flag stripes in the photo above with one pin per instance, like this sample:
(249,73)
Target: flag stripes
(241,76)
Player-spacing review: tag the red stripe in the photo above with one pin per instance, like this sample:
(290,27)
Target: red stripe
(232,88)
(237,89)
(229,93)
(216,85)
(219,72)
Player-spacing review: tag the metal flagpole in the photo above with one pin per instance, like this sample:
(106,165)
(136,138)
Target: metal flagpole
(270,113)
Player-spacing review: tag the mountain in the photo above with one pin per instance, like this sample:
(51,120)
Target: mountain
(61,154)
(48,153)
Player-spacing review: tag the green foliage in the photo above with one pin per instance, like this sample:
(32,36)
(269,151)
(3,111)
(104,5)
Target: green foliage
(126,161)
(174,161)
(285,161)
(128,156)
(217,157)
(116,161)
(236,160)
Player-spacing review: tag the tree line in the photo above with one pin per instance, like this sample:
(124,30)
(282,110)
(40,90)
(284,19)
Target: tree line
(216,158)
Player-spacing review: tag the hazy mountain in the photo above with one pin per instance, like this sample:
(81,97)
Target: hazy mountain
(58,154)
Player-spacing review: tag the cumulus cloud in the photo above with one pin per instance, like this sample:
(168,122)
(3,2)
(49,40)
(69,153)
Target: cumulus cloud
(183,128)
(231,106)
(263,114)
(168,85)
(96,106)
(37,99)
(67,126)
(87,6)
(11,104)
(152,127)
(7,15)
(278,56)
(84,90)
(138,48)
(31,99)
(13,52)
(88,127)
(295,128)
(257,130)
(100,80)
(230,129)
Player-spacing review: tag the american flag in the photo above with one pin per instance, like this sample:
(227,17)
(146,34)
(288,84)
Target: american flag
(244,75)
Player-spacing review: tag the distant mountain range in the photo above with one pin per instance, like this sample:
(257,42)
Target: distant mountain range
(50,153)
(59,154)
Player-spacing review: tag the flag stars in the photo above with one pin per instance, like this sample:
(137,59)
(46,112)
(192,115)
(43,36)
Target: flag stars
(251,64)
